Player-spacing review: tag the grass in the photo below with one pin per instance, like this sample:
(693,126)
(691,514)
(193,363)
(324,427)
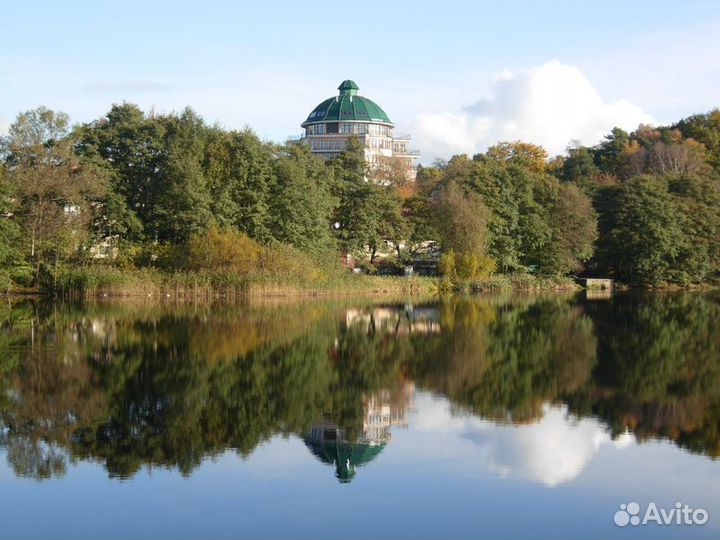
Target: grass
(507,282)
(99,281)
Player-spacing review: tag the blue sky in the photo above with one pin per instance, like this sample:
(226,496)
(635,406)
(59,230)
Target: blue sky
(459,75)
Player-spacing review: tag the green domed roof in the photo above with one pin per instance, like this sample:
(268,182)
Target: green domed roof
(347,107)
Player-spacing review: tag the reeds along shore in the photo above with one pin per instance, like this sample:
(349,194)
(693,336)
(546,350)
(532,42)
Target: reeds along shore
(112,282)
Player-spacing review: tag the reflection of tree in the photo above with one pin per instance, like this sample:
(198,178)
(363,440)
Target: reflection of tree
(156,390)
(53,392)
(169,386)
(505,361)
(659,368)
(34,458)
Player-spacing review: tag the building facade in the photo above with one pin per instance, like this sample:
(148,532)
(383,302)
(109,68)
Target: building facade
(335,120)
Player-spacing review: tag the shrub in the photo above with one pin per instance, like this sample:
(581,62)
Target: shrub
(447,264)
(223,250)
(466,266)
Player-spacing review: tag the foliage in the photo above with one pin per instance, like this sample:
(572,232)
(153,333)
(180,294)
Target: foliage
(55,195)
(300,201)
(369,216)
(223,250)
(137,190)
(661,228)
(11,258)
(503,206)
(465,266)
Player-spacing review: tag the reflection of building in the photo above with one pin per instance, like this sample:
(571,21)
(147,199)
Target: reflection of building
(332,444)
(338,118)
(408,319)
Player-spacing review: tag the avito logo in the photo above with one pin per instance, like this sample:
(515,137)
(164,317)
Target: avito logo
(681,514)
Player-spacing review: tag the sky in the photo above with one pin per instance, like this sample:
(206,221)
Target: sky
(458,75)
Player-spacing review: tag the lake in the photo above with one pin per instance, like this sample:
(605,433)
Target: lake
(516,416)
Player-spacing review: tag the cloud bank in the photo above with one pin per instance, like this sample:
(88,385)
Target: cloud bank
(550,105)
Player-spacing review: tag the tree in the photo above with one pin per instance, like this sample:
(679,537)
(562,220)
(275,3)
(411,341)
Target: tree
(423,234)
(394,172)
(705,129)
(130,146)
(461,218)
(240,175)
(698,199)
(184,201)
(573,224)
(10,235)
(300,201)
(579,164)
(647,233)
(55,194)
(674,157)
(223,250)
(530,156)
(369,214)
(609,153)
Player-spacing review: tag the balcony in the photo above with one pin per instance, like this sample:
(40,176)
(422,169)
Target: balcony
(404,152)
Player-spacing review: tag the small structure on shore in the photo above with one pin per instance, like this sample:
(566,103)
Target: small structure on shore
(602,284)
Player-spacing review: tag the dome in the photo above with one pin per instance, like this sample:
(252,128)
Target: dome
(347,107)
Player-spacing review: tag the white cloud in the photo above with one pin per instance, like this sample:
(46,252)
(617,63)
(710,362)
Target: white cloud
(550,105)
(552,451)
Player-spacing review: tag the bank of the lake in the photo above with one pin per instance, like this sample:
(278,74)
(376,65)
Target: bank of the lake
(149,282)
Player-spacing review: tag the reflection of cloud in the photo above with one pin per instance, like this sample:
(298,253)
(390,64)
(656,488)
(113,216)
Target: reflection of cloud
(552,451)
(125,86)
(549,105)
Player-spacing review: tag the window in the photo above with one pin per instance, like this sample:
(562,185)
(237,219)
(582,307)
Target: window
(316,129)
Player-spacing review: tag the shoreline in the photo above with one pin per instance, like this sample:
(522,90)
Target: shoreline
(156,284)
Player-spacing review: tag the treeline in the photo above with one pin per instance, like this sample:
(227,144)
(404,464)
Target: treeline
(642,207)
(136,190)
(168,191)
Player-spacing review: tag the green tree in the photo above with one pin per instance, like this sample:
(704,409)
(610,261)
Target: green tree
(645,240)
(55,194)
(183,204)
(423,233)
(240,175)
(573,226)
(11,258)
(579,164)
(369,215)
(300,201)
(130,146)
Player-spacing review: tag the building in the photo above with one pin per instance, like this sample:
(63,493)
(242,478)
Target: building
(336,119)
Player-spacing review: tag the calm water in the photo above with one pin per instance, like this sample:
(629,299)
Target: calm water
(486,417)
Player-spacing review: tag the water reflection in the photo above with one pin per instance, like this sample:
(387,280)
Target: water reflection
(537,383)
(551,450)
(345,450)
